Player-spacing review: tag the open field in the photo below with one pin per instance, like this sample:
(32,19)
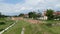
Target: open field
(34,28)
(55,29)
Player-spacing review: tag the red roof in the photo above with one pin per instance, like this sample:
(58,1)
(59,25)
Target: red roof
(55,13)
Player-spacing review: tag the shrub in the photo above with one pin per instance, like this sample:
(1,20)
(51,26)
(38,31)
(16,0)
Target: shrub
(1,29)
(2,23)
(49,24)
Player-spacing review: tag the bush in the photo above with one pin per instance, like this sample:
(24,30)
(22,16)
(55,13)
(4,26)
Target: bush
(2,23)
(49,14)
(49,24)
(1,29)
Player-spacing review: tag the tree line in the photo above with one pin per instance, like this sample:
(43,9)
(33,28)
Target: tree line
(35,15)
(49,14)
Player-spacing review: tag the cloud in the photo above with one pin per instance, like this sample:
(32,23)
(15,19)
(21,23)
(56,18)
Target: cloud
(57,5)
(12,9)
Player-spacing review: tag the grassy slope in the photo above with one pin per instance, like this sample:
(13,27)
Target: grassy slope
(33,28)
(29,28)
(7,23)
(53,29)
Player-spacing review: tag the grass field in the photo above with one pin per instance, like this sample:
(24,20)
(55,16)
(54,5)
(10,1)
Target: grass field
(7,23)
(33,28)
(53,29)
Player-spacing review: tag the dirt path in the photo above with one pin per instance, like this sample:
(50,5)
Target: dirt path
(28,20)
(17,18)
(32,21)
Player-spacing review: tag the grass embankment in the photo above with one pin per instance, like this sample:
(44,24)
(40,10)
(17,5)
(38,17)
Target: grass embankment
(6,22)
(52,29)
(33,28)
(29,28)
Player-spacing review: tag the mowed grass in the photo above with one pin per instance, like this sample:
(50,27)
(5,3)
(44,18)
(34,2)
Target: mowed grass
(33,28)
(7,22)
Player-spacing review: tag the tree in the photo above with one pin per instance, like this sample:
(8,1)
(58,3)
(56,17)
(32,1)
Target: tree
(21,15)
(32,14)
(0,13)
(39,14)
(49,14)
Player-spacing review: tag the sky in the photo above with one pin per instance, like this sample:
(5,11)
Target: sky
(15,7)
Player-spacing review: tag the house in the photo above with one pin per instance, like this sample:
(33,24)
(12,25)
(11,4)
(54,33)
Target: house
(26,15)
(44,15)
(43,18)
(55,13)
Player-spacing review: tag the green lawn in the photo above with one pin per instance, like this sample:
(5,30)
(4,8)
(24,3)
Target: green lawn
(33,28)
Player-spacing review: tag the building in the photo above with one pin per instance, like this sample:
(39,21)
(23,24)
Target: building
(26,15)
(57,13)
